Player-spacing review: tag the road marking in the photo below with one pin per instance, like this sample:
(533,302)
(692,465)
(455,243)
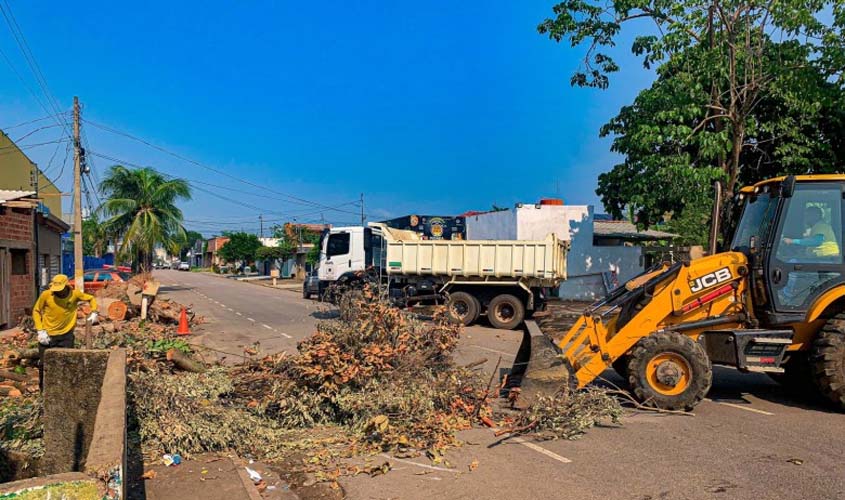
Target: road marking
(541,450)
(424,466)
(251,320)
(503,353)
(286,335)
(229,308)
(267,326)
(741,407)
(239,314)
(223,305)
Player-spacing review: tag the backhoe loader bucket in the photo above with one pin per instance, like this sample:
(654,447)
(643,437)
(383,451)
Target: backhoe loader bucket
(539,368)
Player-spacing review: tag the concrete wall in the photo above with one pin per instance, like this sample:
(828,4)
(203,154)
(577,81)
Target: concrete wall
(85,415)
(585,262)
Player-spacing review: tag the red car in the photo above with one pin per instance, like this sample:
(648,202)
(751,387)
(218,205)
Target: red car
(96,279)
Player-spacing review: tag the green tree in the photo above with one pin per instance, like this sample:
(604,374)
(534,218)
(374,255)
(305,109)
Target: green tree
(241,247)
(745,89)
(140,210)
(94,237)
(191,238)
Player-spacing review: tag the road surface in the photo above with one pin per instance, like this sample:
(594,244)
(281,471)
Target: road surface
(748,441)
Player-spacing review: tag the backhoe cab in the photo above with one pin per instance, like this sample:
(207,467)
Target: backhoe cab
(774,303)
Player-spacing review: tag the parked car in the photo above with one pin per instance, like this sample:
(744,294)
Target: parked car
(311,285)
(184,266)
(96,279)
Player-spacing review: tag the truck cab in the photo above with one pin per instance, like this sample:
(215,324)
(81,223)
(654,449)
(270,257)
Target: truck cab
(345,250)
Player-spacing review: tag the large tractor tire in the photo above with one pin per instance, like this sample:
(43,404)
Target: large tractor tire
(827,359)
(463,308)
(505,311)
(669,370)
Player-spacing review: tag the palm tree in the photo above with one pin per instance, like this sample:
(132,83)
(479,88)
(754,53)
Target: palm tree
(140,208)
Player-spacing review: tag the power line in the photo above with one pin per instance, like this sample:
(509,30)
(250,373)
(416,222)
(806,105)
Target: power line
(23,82)
(217,195)
(23,45)
(215,170)
(19,139)
(30,121)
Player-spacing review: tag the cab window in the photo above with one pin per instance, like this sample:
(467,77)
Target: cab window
(338,244)
(812,227)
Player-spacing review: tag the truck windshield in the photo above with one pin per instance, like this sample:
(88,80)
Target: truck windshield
(757,217)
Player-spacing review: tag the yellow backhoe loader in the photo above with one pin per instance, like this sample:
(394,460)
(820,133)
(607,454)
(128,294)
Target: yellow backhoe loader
(774,303)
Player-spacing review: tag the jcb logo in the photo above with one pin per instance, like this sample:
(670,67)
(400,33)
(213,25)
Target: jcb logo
(711,279)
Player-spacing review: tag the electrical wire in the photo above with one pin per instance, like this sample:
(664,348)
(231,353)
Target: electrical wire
(23,45)
(215,170)
(194,183)
(30,121)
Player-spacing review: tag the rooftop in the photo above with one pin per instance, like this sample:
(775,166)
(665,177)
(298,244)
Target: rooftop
(8,195)
(628,231)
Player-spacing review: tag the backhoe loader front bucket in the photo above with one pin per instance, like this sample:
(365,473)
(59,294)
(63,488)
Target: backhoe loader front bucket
(539,368)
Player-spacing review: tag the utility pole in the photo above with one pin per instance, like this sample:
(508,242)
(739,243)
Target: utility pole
(362,209)
(77,200)
(37,260)
(261,224)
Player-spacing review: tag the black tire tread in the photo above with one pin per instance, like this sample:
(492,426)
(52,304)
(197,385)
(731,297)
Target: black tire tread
(827,359)
(678,343)
(472,314)
(519,311)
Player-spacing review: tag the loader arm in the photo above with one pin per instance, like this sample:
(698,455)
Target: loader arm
(703,295)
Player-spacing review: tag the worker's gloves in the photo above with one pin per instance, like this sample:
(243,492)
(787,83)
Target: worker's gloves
(43,338)
(93,318)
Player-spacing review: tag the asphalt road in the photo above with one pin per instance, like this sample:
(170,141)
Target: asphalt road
(750,440)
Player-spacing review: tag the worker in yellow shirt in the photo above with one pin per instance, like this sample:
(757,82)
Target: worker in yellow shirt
(54,315)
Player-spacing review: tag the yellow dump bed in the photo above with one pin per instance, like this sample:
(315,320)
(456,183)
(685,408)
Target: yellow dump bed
(476,260)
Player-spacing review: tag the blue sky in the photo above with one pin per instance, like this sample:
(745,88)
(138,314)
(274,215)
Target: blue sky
(434,107)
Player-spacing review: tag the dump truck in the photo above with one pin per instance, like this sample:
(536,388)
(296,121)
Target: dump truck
(507,280)
(773,303)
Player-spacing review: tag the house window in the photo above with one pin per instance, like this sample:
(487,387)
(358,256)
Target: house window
(19,259)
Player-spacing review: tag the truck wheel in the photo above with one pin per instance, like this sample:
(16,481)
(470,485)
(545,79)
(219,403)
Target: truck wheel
(828,360)
(505,311)
(669,370)
(463,308)
(305,294)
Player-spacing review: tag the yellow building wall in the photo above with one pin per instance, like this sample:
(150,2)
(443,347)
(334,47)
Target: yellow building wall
(15,170)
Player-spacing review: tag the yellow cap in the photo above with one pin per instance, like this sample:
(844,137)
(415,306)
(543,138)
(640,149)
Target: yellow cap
(59,283)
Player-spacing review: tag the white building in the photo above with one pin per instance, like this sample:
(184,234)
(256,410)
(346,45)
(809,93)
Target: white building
(601,254)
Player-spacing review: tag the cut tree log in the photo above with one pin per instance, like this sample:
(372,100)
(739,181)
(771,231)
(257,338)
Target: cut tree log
(28,354)
(184,362)
(13,376)
(165,311)
(134,293)
(12,392)
(115,309)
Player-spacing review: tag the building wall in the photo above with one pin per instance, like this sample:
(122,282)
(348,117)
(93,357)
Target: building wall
(16,234)
(49,253)
(492,226)
(588,267)
(17,171)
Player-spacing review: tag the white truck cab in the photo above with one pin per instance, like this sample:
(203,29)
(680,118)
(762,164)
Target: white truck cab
(347,249)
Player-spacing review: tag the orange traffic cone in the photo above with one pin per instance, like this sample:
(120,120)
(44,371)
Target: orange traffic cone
(183,323)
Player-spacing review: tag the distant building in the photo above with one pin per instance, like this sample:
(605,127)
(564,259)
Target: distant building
(212,247)
(602,254)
